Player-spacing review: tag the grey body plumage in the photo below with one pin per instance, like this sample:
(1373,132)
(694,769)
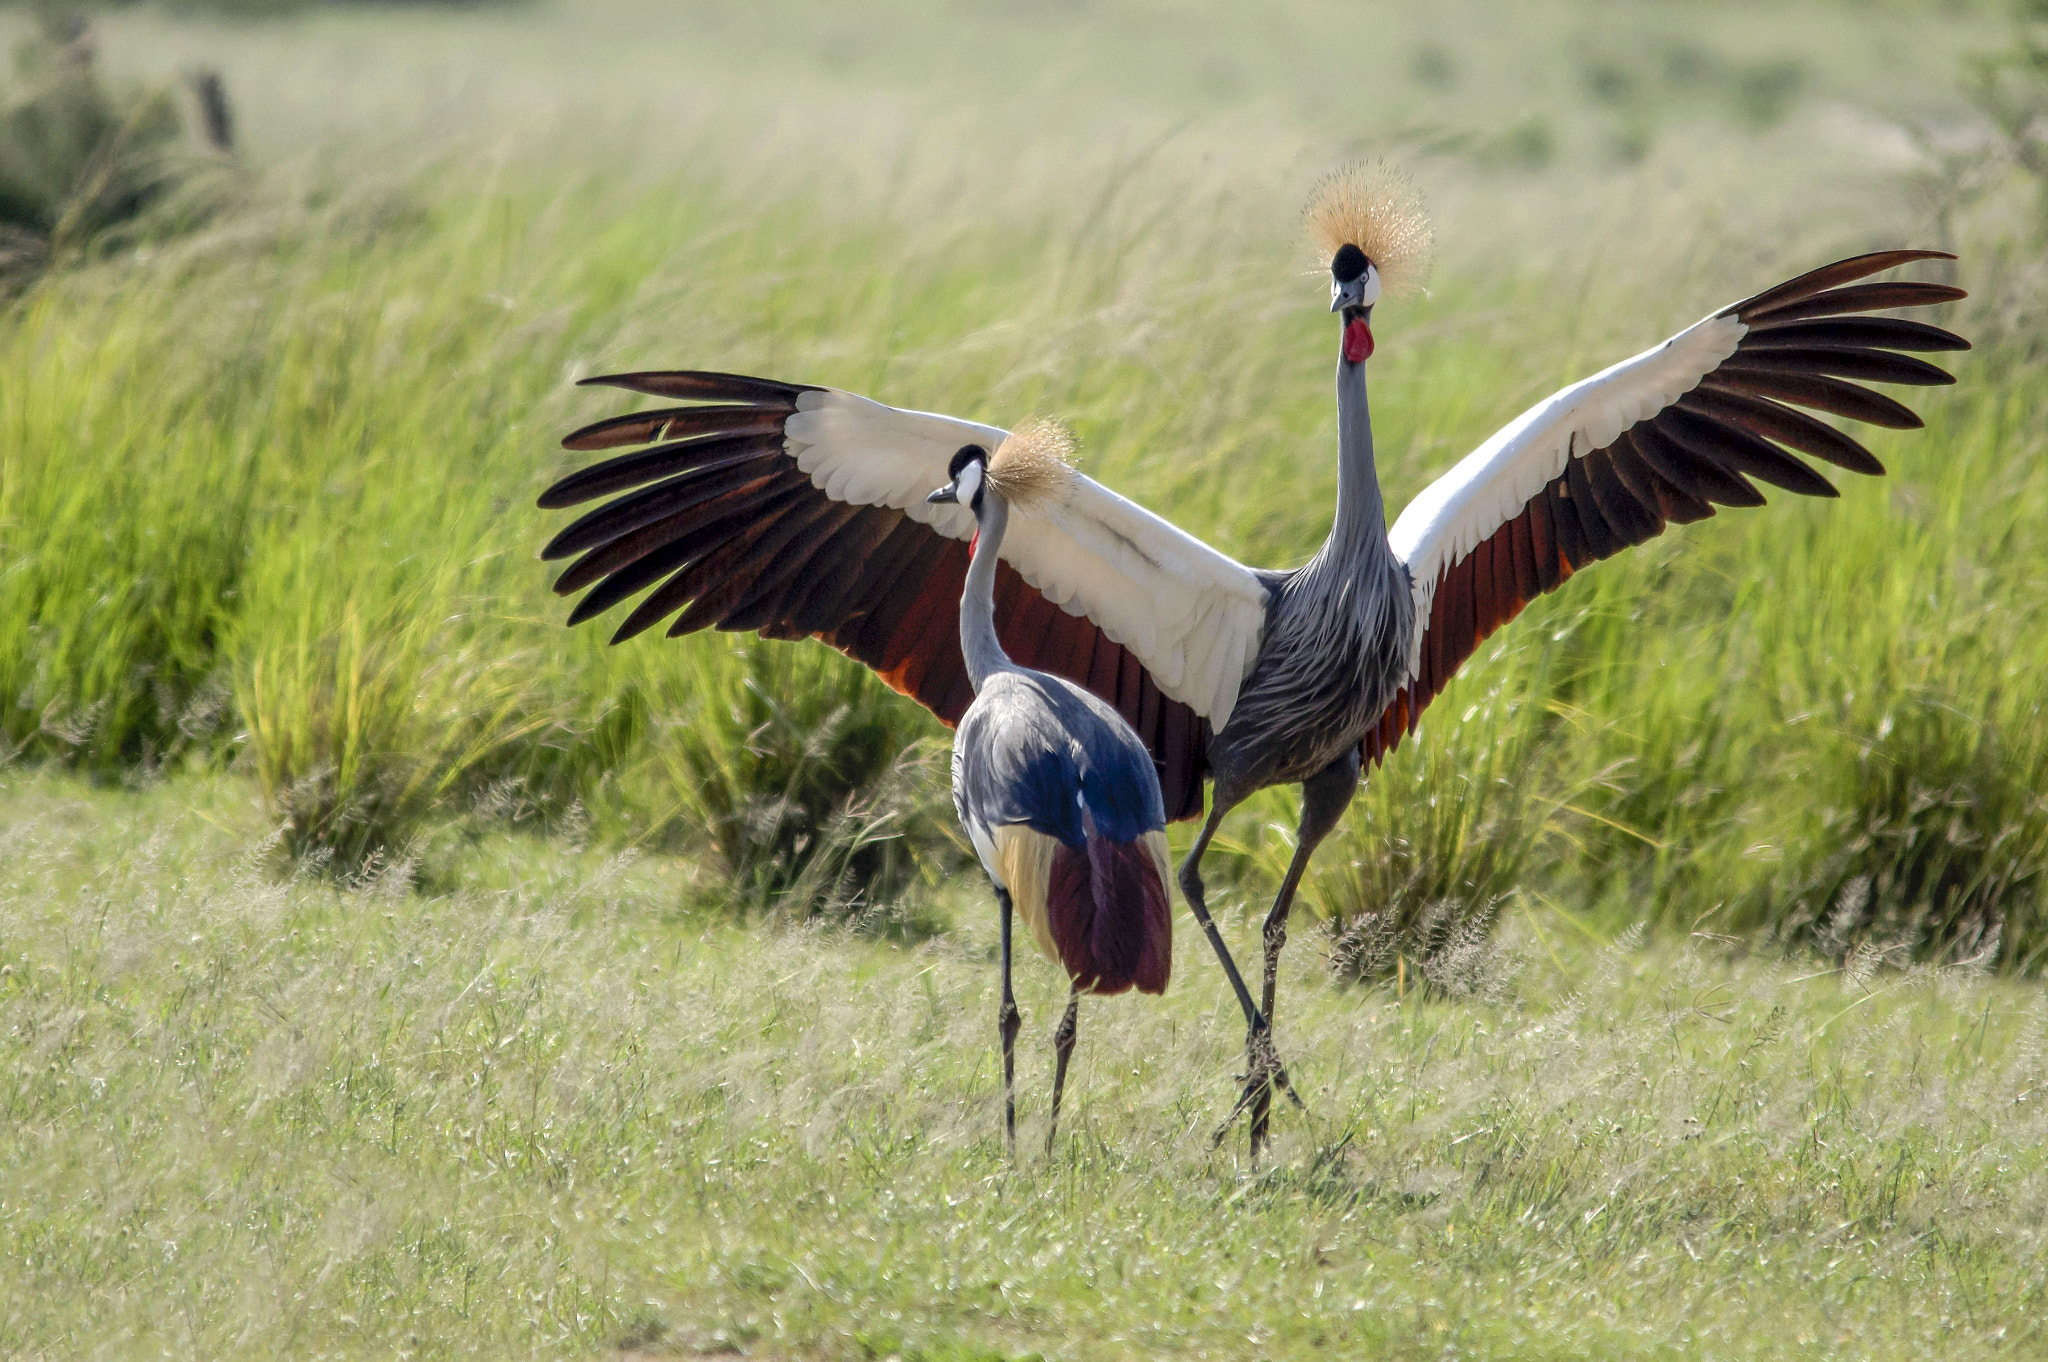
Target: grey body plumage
(1027,730)
(1337,633)
(1028,733)
(1335,655)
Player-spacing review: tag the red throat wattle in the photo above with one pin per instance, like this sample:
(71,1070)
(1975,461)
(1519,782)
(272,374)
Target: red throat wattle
(1357,341)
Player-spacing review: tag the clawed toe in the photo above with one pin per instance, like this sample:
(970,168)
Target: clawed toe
(1263,1073)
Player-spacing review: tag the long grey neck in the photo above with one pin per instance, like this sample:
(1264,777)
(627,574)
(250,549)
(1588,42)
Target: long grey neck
(1358,539)
(978,642)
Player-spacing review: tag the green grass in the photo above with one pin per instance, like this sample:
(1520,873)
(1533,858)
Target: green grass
(568,1104)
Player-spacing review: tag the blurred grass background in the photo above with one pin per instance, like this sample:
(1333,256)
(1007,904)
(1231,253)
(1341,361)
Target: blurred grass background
(314,815)
(264,497)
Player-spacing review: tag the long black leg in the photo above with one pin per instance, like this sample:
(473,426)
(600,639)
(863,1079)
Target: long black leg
(1256,1030)
(1324,797)
(1192,890)
(1062,1048)
(1008,1021)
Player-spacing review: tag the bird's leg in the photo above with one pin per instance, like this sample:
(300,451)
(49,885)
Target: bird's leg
(1008,1021)
(1324,797)
(1192,890)
(1062,1048)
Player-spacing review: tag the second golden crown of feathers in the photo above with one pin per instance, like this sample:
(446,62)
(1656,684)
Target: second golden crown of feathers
(1034,465)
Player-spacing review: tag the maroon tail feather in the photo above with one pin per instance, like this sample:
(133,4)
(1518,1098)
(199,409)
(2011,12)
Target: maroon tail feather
(1109,915)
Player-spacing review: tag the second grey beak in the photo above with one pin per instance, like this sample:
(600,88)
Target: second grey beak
(944,496)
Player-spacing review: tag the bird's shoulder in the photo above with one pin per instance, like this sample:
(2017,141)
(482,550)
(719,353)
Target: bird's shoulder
(1275,581)
(1031,738)
(1040,706)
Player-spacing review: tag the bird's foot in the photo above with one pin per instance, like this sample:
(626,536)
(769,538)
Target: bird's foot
(1263,1073)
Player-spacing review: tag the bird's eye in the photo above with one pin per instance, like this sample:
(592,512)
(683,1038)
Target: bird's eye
(1369,287)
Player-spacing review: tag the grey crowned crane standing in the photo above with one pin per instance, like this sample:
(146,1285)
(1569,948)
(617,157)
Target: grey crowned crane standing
(1056,792)
(799,512)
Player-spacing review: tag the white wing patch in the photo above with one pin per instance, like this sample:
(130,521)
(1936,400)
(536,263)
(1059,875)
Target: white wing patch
(985,851)
(1491,485)
(864,453)
(1193,616)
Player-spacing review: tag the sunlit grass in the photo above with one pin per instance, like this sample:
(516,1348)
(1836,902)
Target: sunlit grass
(563,1107)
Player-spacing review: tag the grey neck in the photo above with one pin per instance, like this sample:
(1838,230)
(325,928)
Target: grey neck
(978,642)
(1358,539)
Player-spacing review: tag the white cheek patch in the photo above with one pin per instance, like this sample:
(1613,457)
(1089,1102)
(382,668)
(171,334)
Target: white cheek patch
(968,484)
(1369,290)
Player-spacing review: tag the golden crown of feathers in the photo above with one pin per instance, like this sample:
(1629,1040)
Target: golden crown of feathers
(1034,465)
(1373,206)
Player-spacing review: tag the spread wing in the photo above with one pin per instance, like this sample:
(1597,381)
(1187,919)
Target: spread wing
(1660,438)
(800,512)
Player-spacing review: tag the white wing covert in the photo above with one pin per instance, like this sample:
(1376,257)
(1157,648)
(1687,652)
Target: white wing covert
(1193,616)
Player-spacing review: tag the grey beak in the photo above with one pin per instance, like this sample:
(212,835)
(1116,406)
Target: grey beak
(944,496)
(1347,295)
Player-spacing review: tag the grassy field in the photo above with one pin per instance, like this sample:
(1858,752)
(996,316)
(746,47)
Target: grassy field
(463,982)
(551,1112)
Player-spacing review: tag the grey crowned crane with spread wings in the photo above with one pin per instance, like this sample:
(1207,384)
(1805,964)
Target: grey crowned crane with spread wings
(1056,792)
(799,512)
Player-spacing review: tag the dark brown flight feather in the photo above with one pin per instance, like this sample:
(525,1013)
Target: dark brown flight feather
(699,385)
(677,423)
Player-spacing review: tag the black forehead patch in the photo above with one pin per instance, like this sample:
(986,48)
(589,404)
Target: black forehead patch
(1348,263)
(965,455)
